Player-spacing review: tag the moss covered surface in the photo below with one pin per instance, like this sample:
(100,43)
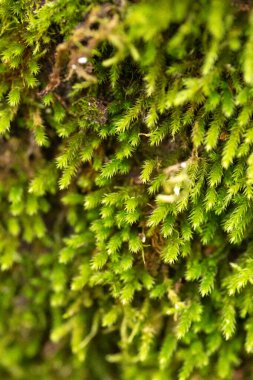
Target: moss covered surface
(126,190)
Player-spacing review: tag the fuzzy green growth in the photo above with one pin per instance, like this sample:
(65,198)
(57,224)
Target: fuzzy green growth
(126,187)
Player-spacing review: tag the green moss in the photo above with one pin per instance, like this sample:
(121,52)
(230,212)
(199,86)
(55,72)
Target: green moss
(126,196)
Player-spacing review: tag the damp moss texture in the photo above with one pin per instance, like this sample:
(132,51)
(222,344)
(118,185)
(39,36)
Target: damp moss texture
(126,190)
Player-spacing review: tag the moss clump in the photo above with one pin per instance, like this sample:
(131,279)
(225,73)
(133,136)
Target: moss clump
(126,187)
